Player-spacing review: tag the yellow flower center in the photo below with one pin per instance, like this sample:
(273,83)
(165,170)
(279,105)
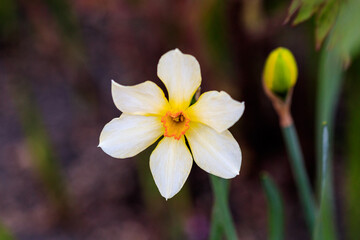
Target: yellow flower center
(175,124)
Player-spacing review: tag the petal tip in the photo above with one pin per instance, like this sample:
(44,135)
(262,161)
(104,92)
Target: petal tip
(236,172)
(241,109)
(166,196)
(113,82)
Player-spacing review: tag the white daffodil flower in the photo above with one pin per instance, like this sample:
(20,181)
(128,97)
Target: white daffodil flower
(147,115)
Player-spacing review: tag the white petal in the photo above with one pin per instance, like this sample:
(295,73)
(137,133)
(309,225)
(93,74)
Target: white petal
(181,76)
(142,99)
(130,134)
(170,165)
(217,110)
(216,153)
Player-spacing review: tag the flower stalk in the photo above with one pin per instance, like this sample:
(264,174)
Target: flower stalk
(222,222)
(279,78)
(282,108)
(300,175)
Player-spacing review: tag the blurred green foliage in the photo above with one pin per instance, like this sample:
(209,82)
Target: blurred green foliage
(328,90)
(61,10)
(215,30)
(63,13)
(340,20)
(341,16)
(343,44)
(325,19)
(324,225)
(345,36)
(8,18)
(5,233)
(352,179)
(275,205)
(326,13)
(305,8)
(43,157)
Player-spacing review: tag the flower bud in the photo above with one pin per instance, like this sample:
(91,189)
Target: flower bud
(280,72)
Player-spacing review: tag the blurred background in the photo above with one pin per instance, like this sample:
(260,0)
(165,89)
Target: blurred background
(57,59)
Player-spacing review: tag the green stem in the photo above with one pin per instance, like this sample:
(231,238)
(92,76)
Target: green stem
(221,210)
(301,178)
(216,230)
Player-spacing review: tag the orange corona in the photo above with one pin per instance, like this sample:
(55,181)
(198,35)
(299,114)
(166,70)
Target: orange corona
(175,124)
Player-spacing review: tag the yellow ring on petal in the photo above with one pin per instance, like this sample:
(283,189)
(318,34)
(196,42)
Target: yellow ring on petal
(175,124)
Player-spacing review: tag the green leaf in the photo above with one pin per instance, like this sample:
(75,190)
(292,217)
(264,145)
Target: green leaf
(324,225)
(328,90)
(346,35)
(295,5)
(326,12)
(325,20)
(308,8)
(275,208)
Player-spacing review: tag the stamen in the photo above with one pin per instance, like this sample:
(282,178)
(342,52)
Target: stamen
(175,124)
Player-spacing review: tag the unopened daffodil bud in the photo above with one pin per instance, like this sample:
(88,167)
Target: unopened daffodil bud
(280,72)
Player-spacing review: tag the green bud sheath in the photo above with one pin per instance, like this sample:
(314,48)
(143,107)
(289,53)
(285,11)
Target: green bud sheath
(280,71)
